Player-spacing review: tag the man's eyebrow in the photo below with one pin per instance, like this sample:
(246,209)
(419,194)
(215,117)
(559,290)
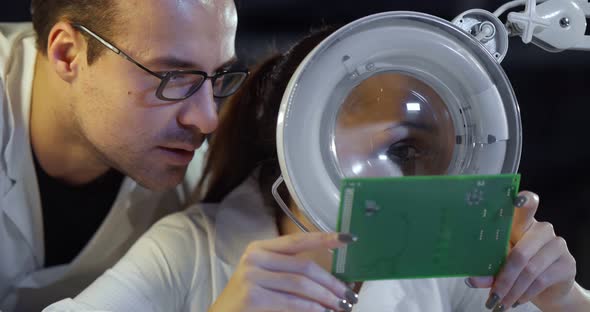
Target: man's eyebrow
(173,62)
(229,63)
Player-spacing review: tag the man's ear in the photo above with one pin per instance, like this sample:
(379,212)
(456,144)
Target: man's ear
(66,51)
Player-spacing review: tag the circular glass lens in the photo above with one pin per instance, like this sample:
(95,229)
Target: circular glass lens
(393,124)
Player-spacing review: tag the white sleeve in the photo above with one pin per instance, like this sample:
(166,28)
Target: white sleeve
(70,305)
(155,275)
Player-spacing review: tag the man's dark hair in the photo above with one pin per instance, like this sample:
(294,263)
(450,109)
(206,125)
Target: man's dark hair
(97,15)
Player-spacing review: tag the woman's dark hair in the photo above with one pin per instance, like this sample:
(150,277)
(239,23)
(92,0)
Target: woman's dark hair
(246,136)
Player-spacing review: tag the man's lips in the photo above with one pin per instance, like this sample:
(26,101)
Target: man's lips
(178,154)
(182,147)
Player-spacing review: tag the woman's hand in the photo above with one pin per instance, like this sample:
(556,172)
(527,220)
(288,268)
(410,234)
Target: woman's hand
(539,267)
(270,277)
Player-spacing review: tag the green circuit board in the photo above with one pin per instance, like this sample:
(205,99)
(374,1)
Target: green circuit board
(423,227)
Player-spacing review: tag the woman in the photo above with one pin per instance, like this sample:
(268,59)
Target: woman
(238,252)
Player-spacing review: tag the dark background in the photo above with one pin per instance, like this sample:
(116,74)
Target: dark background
(552,90)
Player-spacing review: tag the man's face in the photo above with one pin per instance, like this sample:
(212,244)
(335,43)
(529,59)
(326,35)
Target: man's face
(115,107)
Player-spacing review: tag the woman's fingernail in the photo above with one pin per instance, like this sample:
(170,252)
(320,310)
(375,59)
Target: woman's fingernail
(347,238)
(468,283)
(492,301)
(351,296)
(520,201)
(499,308)
(516,304)
(344,305)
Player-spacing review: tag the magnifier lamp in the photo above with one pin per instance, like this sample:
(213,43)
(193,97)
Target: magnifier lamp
(406,93)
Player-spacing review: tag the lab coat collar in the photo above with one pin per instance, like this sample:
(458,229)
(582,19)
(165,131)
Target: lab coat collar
(18,81)
(22,180)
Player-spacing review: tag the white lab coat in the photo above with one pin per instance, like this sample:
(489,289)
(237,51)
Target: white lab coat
(184,262)
(24,284)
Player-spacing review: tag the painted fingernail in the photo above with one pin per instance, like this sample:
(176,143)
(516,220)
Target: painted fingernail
(347,238)
(468,283)
(520,201)
(492,301)
(516,304)
(351,296)
(344,305)
(499,308)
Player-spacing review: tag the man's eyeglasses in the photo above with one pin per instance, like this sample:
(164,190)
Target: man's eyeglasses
(181,84)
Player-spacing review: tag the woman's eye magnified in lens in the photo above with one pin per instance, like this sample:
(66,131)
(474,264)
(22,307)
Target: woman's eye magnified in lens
(394,125)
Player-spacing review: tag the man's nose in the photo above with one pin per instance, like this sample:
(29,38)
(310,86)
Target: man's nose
(200,110)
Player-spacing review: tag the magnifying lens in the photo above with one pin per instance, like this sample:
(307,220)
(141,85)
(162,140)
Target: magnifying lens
(406,93)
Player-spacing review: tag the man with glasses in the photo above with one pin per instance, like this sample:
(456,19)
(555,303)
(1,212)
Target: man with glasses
(104,104)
